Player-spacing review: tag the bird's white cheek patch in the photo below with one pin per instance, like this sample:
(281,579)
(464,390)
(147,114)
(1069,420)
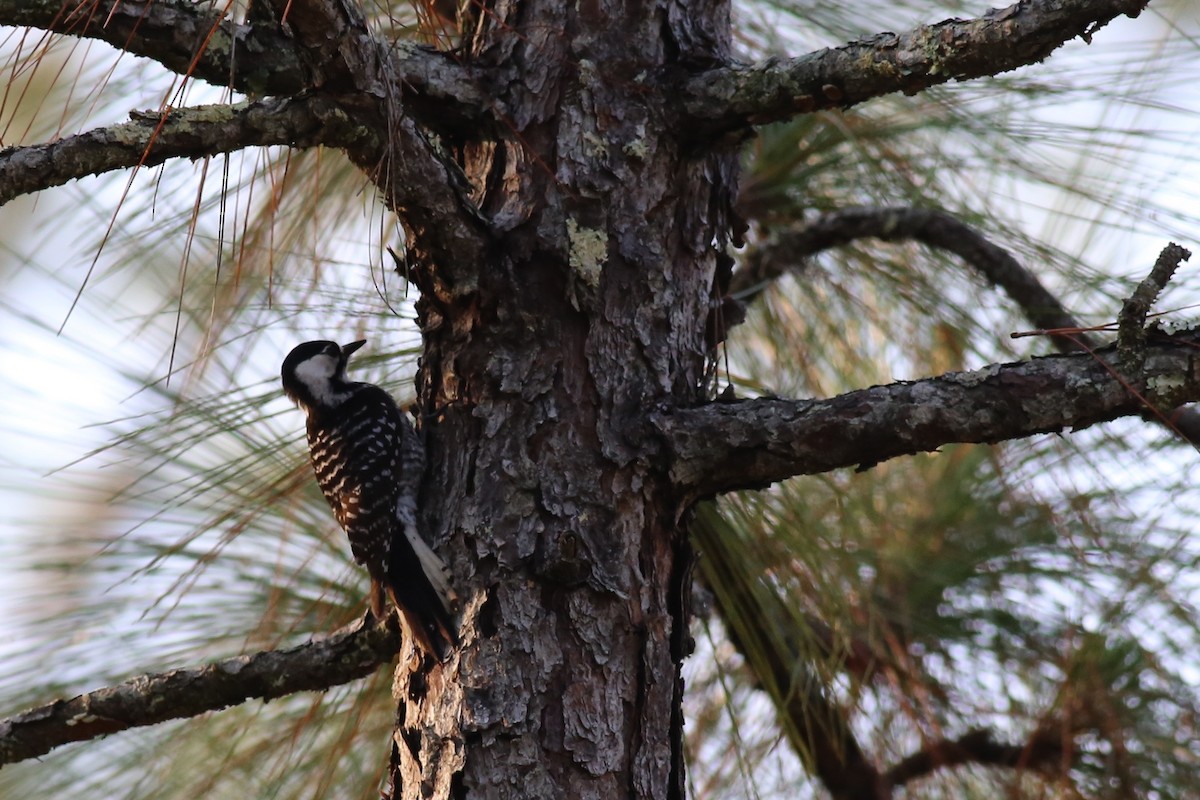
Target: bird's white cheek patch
(315,373)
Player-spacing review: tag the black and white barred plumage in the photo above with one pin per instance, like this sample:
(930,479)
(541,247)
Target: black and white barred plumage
(369,460)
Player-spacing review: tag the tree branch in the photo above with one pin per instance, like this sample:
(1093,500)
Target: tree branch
(976,747)
(448,238)
(786,252)
(1131,321)
(149,140)
(358,107)
(747,444)
(320,28)
(185,37)
(351,653)
(192,39)
(732,98)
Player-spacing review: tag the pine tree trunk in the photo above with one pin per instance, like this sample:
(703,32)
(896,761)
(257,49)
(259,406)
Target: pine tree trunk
(566,540)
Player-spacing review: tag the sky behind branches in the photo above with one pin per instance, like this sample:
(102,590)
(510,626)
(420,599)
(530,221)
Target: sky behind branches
(64,389)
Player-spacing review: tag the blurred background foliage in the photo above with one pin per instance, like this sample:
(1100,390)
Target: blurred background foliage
(159,508)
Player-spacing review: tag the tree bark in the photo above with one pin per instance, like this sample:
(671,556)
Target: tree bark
(734,97)
(567,542)
(722,447)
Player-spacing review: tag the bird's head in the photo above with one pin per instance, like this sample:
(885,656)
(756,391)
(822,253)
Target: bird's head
(314,373)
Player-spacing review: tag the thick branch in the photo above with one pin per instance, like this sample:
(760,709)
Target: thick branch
(976,747)
(721,447)
(786,252)
(448,238)
(148,140)
(347,655)
(732,98)
(357,109)
(192,39)
(185,37)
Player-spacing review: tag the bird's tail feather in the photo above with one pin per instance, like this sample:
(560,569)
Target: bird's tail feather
(436,636)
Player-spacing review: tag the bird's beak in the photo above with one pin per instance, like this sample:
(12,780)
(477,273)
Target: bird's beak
(347,349)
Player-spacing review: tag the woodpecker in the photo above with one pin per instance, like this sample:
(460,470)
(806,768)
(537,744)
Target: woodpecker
(369,460)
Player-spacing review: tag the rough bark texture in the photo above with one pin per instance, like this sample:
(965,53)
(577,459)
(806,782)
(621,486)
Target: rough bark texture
(192,39)
(152,138)
(730,97)
(188,38)
(566,539)
(741,444)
